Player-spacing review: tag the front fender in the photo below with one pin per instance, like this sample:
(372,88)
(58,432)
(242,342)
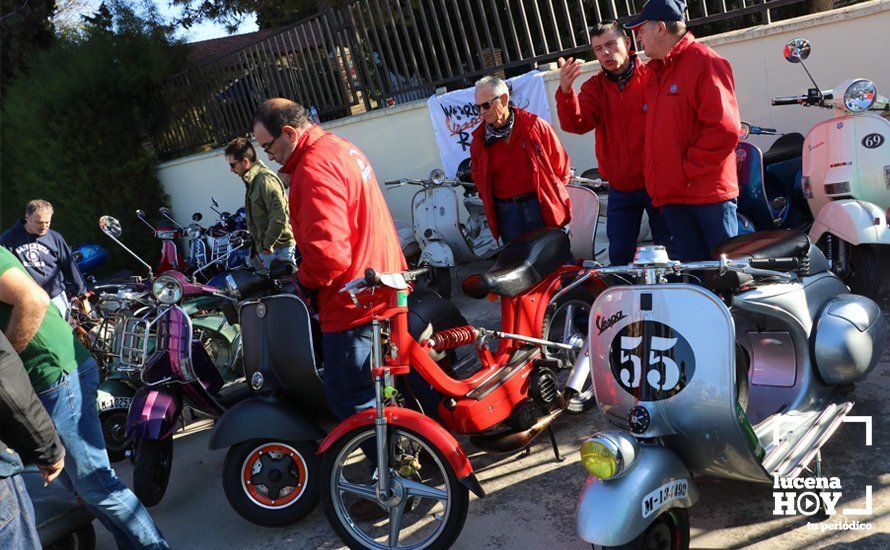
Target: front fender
(153,414)
(262,418)
(856,222)
(418,423)
(616,511)
(437,254)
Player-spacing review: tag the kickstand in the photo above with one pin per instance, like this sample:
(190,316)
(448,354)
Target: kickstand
(559,458)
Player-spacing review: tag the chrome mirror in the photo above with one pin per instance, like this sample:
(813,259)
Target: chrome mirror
(110,226)
(746,130)
(797,50)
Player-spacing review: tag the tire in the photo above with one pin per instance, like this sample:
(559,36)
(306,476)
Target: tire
(246,462)
(669,531)
(553,328)
(440,281)
(151,469)
(114,430)
(864,276)
(83,538)
(337,469)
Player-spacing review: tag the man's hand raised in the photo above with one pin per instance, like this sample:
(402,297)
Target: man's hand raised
(569,71)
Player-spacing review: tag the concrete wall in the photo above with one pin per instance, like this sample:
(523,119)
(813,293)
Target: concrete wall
(847,43)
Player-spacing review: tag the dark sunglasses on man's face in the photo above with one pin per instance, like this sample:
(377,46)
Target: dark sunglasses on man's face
(485,105)
(233,164)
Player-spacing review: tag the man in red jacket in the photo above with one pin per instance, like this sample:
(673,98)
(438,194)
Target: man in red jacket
(518,164)
(342,226)
(611,102)
(692,127)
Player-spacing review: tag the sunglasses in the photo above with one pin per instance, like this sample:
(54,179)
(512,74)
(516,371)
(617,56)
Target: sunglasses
(269,145)
(234,164)
(487,104)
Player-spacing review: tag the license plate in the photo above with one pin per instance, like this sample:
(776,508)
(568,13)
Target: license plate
(109,403)
(669,492)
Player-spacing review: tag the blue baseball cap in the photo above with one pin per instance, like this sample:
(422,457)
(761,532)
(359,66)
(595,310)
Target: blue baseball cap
(659,10)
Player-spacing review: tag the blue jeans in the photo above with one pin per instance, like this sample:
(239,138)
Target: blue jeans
(71,403)
(516,218)
(624,214)
(284,252)
(698,228)
(17,522)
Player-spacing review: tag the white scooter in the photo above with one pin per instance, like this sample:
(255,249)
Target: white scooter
(445,241)
(846,174)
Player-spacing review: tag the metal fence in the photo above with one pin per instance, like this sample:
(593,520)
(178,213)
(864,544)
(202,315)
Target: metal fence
(371,54)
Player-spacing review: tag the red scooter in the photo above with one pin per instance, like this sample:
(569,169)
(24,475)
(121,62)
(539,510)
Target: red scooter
(395,463)
(171,257)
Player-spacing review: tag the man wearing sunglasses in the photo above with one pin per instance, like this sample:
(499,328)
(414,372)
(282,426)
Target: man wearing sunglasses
(342,227)
(265,202)
(519,165)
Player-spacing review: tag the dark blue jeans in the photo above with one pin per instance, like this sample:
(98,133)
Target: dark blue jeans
(17,523)
(516,218)
(71,403)
(624,215)
(698,228)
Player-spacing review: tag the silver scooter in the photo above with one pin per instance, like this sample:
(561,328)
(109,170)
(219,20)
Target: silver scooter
(739,377)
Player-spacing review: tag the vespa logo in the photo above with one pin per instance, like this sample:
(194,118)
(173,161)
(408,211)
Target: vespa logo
(873,141)
(603,324)
(651,360)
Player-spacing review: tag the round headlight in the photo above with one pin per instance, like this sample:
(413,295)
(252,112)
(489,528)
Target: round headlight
(167,289)
(860,96)
(437,176)
(608,455)
(193,231)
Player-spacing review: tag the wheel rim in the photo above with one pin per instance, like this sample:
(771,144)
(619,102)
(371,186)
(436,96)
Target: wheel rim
(663,535)
(422,501)
(114,430)
(568,325)
(274,475)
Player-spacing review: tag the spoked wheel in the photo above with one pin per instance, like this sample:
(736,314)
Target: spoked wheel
(669,531)
(272,483)
(151,469)
(428,505)
(114,430)
(566,321)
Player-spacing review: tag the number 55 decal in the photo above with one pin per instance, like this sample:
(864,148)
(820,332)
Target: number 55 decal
(669,360)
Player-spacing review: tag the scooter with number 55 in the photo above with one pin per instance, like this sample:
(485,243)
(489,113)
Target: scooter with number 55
(744,376)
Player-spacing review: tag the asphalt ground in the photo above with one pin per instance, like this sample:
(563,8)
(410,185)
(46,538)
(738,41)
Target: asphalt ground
(531,498)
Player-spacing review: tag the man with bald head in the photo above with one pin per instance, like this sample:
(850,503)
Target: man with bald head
(342,227)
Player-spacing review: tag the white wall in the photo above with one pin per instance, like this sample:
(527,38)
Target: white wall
(847,43)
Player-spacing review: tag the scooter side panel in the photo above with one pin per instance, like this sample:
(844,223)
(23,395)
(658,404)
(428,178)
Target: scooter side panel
(856,222)
(153,414)
(262,418)
(614,512)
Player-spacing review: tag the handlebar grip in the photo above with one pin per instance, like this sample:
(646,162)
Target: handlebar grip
(371,277)
(413,274)
(282,268)
(788,100)
(392,182)
(775,264)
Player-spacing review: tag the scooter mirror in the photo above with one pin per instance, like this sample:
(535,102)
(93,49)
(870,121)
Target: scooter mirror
(110,226)
(164,211)
(197,216)
(140,214)
(797,50)
(746,130)
(213,201)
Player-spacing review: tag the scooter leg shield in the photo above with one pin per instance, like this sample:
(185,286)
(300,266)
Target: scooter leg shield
(615,511)
(153,414)
(425,426)
(262,418)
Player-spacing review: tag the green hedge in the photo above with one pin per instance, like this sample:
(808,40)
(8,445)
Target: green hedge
(74,131)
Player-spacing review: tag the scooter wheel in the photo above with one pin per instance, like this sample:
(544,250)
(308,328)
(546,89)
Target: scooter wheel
(565,321)
(151,470)
(864,277)
(669,531)
(83,538)
(272,483)
(114,430)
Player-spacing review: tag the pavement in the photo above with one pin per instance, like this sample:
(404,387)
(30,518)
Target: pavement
(531,498)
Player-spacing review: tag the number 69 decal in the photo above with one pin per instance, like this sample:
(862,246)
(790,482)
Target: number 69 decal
(651,360)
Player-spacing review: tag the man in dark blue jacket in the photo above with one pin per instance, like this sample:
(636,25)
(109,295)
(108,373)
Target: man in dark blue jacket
(45,254)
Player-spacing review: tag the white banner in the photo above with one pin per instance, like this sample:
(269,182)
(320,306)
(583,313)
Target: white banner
(455,115)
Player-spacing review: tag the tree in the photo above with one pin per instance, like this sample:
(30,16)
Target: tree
(74,124)
(232,12)
(26,28)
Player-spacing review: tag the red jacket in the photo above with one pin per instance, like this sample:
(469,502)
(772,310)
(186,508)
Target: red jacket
(547,163)
(692,127)
(619,120)
(341,224)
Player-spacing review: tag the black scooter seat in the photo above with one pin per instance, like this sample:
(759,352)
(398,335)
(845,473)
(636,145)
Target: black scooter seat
(765,244)
(786,147)
(522,264)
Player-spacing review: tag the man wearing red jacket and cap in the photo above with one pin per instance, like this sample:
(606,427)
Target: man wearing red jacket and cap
(342,227)
(692,128)
(519,166)
(611,102)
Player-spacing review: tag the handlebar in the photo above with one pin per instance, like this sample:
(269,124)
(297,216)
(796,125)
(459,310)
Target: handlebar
(789,100)
(771,267)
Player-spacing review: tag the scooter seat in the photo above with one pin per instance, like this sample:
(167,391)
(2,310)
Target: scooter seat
(765,244)
(522,264)
(786,147)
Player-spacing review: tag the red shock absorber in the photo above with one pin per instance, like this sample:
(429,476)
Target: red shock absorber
(453,338)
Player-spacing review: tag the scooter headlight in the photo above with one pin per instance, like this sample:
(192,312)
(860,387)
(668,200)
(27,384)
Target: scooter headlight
(608,455)
(437,176)
(860,96)
(167,289)
(193,231)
